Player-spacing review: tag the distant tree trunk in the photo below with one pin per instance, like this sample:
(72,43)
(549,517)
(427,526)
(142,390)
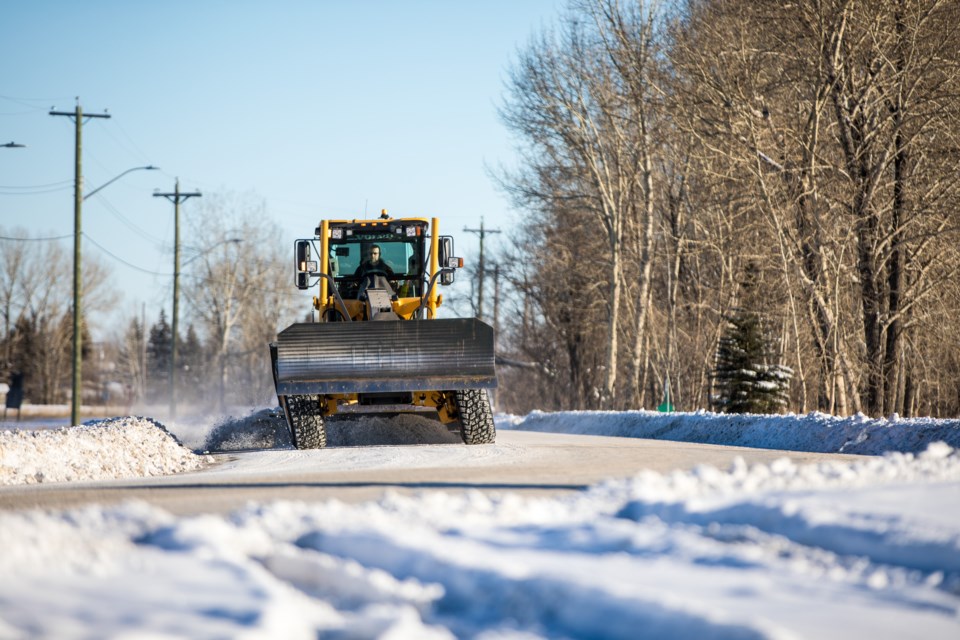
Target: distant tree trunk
(610,381)
(895,263)
(645,242)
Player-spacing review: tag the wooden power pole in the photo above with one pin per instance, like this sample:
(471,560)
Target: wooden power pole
(176,198)
(482,273)
(79,120)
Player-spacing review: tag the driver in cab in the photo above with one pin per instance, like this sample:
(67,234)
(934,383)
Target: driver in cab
(374,265)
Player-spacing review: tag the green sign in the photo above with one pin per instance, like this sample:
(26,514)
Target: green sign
(666,406)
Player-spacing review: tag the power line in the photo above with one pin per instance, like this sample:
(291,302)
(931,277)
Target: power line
(26,101)
(148,271)
(158,273)
(34,239)
(35,193)
(119,259)
(143,156)
(482,272)
(156,241)
(38,186)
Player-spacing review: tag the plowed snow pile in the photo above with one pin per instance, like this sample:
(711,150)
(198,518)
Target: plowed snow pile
(126,447)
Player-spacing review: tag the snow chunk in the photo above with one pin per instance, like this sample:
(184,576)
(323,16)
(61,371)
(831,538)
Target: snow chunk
(125,447)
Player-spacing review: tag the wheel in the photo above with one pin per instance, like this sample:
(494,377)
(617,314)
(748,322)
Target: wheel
(334,315)
(307,429)
(476,416)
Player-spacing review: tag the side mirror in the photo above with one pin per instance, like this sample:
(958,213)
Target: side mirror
(304,266)
(447,261)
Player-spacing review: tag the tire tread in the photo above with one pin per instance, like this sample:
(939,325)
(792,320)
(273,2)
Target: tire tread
(307,428)
(476,416)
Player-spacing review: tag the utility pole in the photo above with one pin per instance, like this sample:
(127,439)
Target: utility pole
(176,198)
(496,303)
(143,353)
(79,121)
(6,334)
(481,232)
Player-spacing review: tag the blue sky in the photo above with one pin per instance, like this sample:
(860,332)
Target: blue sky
(321,108)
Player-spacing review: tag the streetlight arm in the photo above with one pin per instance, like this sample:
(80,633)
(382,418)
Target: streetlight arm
(149,167)
(211,248)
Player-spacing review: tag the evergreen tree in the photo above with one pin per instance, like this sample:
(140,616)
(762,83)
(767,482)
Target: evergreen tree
(191,357)
(159,352)
(25,355)
(747,377)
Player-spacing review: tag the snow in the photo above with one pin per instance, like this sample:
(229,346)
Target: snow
(99,450)
(814,432)
(869,548)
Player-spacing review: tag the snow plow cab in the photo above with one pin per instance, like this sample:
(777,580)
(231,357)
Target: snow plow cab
(376,345)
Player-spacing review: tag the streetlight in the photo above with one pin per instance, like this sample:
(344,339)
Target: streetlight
(149,167)
(201,253)
(77,289)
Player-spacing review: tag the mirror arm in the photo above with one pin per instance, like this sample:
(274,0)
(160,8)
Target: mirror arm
(433,281)
(336,294)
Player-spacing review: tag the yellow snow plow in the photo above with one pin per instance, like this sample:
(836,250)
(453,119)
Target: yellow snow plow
(376,345)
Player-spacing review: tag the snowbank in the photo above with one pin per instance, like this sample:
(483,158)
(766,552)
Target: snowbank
(132,447)
(872,547)
(814,432)
(98,450)
(833,550)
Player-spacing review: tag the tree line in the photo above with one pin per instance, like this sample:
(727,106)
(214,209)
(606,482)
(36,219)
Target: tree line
(686,167)
(236,291)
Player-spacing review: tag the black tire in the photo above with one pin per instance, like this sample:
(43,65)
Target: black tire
(476,416)
(307,429)
(334,315)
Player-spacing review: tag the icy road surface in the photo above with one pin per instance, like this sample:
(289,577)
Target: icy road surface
(520,462)
(847,546)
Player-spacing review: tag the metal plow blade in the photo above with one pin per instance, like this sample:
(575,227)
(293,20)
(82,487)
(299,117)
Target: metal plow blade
(387,356)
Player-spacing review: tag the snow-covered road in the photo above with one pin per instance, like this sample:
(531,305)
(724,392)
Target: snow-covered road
(522,462)
(848,547)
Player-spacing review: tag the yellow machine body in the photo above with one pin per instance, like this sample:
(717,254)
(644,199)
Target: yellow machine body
(377,345)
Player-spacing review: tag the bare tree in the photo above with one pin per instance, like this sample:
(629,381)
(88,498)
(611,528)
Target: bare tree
(13,257)
(238,292)
(628,34)
(585,148)
(814,141)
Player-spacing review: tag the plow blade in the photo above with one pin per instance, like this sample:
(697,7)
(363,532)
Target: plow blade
(386,356)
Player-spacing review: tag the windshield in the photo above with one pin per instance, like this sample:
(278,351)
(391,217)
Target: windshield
(402,255)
